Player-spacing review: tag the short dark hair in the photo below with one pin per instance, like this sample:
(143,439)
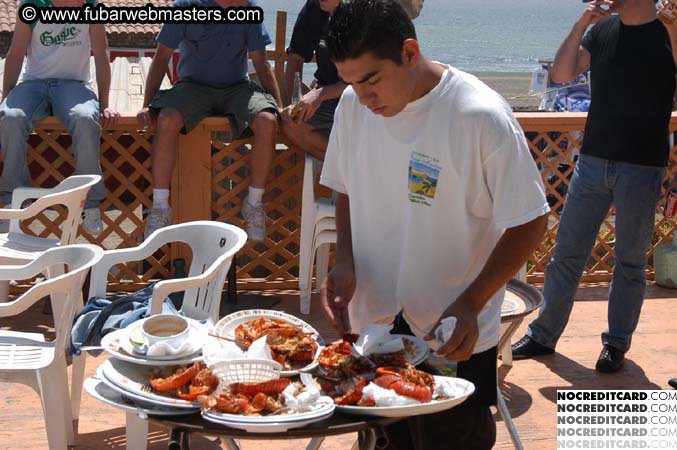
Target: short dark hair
(360,26)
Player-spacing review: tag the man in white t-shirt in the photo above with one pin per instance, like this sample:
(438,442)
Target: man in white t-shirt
(439,204)
(56,80)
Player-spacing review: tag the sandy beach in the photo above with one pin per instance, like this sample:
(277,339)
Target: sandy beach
(514,87)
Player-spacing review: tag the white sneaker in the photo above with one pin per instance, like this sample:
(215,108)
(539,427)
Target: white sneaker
(256,220)
(92,221)
(157,218)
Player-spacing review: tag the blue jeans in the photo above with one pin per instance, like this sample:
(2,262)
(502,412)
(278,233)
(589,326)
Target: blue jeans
(595,185)
(27,104)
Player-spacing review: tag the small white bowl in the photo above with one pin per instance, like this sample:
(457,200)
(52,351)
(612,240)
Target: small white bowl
(167,328)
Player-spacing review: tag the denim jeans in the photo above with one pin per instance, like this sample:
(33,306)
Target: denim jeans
(595,185)
(27,104)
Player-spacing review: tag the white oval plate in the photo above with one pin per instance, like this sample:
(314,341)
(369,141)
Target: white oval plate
(145,401)
(226,328)
(325,405)
(275,427)
(98,389)
(462,388)
(118,345)
(133,379)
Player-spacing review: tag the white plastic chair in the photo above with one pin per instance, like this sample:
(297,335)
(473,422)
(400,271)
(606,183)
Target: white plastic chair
(318,231)
(213,245)
(26,358)
(16,247)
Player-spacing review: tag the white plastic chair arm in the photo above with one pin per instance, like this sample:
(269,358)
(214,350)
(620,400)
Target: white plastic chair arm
(17,213)
(163,288)
(21,194)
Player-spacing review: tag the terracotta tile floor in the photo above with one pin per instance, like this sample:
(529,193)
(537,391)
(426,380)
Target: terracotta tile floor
(529,386)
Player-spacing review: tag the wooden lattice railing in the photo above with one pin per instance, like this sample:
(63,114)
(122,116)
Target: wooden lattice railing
(553,139)
(211,180)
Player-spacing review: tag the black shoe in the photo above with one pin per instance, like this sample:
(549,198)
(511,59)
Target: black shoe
(528,348)
(610,359)
(673,383)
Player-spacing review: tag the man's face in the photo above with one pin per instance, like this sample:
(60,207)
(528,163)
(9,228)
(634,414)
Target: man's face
(381,85)
(617,6)
(328,5)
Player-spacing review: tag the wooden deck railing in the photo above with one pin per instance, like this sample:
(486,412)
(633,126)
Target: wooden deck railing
(211,179)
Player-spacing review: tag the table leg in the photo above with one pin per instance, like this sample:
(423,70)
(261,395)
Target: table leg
(315,443)
(137,431)
(230,443)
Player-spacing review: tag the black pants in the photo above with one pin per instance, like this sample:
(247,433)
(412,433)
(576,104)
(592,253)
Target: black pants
(469,426)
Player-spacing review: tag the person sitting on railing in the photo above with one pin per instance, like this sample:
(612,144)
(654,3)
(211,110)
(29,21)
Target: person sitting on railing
(622,162)
(213,81)
(439,204)
(308,123)
(56,80)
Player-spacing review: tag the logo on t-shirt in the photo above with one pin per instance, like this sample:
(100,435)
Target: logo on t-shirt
(66,37)
(424,172)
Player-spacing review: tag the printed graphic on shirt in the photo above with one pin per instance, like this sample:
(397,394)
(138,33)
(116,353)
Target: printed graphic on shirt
(68,37)
(424,171)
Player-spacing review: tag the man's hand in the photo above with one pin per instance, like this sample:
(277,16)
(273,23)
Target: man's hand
(109,116)
(146,117)
(336,292)
(594,12)
(460,345)
(306,108)
(665,5)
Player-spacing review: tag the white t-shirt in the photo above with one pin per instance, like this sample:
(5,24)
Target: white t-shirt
(59,51)
(431,192)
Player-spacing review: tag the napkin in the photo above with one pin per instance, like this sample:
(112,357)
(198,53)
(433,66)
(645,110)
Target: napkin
(166,349)
(443,332)
(377,339)
(307,400)
(216,350)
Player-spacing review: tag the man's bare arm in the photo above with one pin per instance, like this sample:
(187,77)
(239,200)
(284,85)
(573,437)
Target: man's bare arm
(15,56)
(100,51)
(265,74)
(156,72)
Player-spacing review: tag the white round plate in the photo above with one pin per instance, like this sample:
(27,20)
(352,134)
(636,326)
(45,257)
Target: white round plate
(419,353)
(143,400)
(98,389)
(226,328)
(273,427)
(118,345)
(134,379)
(324,406)
(462,388)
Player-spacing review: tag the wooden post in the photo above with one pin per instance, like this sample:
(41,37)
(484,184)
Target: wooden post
(280,50)
(192,182)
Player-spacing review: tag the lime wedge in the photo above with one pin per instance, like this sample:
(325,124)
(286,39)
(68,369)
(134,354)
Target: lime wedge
(136,337)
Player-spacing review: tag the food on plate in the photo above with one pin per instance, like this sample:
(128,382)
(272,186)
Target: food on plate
(289,344)
(186,383)
(362,390)
(256,399)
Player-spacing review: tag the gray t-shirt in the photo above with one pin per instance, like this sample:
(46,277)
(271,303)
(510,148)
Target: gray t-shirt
(212,53)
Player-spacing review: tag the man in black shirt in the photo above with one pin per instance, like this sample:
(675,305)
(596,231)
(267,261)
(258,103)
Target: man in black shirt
(308,123)
(623,158)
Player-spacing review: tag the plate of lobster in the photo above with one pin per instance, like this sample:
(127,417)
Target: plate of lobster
(385,385)
(177,386)
(293,343)
(267,406)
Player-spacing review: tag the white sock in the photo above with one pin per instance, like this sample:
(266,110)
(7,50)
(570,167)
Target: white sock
(255,195)
(161,198)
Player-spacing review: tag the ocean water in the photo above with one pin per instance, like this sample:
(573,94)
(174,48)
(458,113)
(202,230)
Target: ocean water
(476,35)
